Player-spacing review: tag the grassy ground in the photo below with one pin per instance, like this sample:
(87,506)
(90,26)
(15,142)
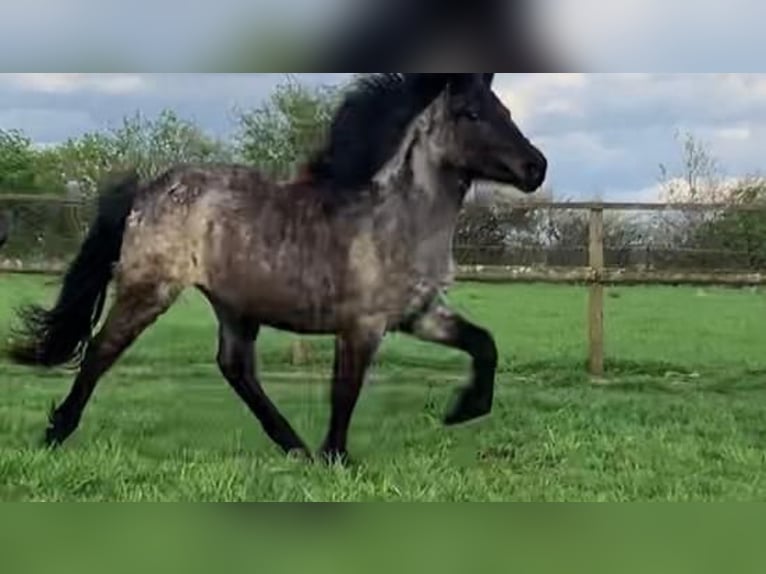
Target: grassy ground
(681,416)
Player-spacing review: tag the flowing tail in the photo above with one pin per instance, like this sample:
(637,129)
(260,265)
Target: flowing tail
(58,336)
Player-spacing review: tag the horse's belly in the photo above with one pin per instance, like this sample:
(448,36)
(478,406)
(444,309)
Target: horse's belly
(285,300)
(297,311)
(314,297)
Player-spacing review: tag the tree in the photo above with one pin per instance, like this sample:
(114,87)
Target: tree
(84,160)
(713,239)
(153,145)
(149,145)
(480,235)
(275,136)
(741,235)
(699,178)
(17,162)
(494,227)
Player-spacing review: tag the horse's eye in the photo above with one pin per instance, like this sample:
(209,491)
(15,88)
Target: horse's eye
(471,115)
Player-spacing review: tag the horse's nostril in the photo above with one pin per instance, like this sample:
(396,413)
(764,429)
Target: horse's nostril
(534,171)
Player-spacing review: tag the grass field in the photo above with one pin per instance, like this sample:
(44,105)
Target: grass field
(681,416)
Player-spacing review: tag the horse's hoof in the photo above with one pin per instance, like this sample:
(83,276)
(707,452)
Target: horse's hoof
(470,405)
(52,438)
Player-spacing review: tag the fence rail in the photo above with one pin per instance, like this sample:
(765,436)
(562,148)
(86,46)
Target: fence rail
(596,274)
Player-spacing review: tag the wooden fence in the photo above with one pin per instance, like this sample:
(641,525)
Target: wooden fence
(595,274)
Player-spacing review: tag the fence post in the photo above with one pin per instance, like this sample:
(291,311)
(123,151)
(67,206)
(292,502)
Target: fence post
(596,293)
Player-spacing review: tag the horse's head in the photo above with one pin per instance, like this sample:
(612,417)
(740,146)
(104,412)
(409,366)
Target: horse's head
(472,131)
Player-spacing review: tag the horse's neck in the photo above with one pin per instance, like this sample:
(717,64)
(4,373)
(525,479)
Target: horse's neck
(425,203)
(436,194)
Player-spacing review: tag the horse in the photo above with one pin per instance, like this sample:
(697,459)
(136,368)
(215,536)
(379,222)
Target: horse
(360,248)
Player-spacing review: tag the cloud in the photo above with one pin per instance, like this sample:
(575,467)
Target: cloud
(734,133)
(608,133)
(640,101)
(533,95)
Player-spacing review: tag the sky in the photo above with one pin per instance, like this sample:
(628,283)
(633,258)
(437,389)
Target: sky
(605,134)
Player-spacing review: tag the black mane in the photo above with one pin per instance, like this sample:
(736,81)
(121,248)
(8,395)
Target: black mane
(369,125)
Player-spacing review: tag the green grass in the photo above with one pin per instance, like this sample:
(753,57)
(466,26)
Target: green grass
(681,415)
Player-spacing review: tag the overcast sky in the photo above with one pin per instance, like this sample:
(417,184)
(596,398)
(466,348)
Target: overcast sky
(605,135)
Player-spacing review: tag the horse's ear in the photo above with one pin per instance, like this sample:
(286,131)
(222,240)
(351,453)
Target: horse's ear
(488,79)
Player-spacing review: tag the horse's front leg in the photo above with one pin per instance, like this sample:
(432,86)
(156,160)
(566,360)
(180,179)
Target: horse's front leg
(440,324)
(354,351)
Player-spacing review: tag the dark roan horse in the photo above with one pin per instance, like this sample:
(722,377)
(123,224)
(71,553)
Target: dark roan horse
(358,246)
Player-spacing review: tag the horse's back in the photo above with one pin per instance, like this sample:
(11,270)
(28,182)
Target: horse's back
(198,225)
(175,216)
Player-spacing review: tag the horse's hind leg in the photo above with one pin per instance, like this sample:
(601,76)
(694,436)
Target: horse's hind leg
(134,309)
(439,324)
(236,359)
